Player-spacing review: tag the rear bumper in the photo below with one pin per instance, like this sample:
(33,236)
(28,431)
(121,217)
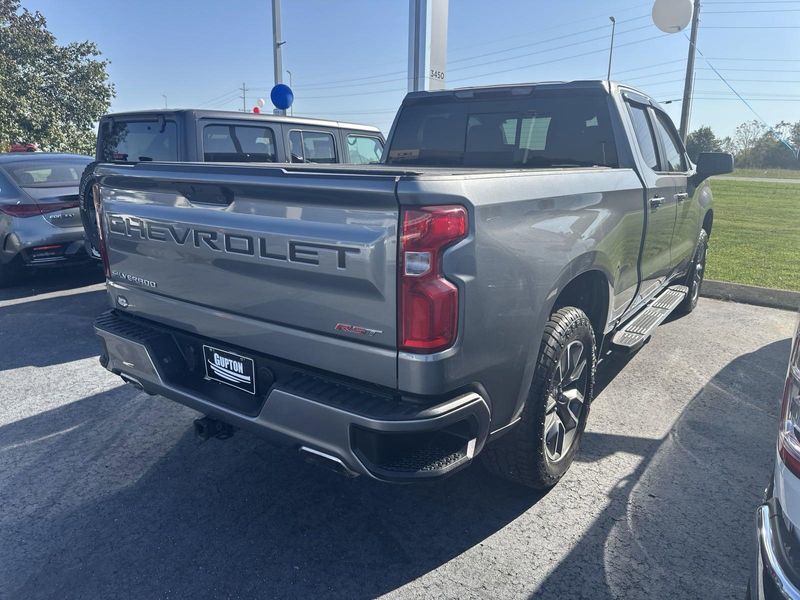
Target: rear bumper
(365,429)
(777,569)
(35,242)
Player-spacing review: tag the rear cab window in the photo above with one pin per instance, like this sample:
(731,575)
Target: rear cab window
(239,143)
(312,146)
(545,129)
(364,149)
(138,140)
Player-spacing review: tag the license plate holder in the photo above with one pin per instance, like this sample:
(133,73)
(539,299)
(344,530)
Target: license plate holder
(230,368)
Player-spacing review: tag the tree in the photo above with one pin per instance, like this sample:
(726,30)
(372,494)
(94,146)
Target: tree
(744,141)
(702,140)
(49,94)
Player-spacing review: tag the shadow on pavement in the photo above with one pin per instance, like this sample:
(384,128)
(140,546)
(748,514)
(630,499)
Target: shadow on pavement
(50,331)
(681,526)
(53,280)
(112,496)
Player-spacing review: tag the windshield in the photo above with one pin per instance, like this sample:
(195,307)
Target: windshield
(536,131)
(138,141)
(60,173)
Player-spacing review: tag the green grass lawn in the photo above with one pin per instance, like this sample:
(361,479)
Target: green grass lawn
(779,173)
(755,238)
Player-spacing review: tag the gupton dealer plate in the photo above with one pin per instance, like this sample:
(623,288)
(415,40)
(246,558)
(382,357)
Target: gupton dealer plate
(230,368)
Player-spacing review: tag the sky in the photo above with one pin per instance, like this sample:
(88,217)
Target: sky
(349,57)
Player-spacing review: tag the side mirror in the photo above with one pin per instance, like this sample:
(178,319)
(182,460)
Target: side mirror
(713,163)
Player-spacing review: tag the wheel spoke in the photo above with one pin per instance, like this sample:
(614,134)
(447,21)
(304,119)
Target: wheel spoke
(554,433)
(570,408)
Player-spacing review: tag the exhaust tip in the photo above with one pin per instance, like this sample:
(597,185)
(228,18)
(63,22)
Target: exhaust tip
(326,460)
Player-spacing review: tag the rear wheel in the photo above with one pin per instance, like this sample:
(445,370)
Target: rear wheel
(696,274)
(542,446)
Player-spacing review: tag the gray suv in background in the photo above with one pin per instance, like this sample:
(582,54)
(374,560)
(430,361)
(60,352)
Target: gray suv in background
(40,225)
(184,135)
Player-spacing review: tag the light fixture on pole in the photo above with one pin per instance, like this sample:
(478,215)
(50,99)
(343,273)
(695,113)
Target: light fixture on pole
(611,49)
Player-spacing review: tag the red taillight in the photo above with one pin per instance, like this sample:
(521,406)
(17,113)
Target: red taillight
(428,302)
(32,210)
(789,433)
(98,212)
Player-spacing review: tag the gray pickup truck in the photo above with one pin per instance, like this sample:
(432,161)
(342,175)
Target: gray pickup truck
(396,320)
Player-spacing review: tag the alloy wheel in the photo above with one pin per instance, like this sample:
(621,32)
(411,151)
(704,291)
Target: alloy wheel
(565,402)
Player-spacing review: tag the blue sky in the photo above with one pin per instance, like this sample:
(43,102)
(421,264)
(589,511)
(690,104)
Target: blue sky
(349,57)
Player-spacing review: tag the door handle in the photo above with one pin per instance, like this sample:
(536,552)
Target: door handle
(681,196)
(656,201)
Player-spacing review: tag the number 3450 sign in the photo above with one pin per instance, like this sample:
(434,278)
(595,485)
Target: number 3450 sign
(436,74)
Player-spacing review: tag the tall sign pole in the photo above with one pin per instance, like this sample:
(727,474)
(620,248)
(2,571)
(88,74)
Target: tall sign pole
(277,51)
(686,108)
(427,44)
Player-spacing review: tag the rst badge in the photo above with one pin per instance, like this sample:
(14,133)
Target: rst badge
(229,368)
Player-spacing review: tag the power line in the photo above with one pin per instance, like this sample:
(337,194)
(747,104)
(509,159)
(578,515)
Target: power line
(751,26)
(741,12)
(537,43)
(563,58)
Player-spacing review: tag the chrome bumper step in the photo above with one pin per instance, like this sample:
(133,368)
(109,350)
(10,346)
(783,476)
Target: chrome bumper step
(636,331)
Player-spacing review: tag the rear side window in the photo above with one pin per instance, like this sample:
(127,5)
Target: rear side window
(676,162)
(47,173)
(364,149)
(238,143)
(6,189)
(312,146)
(644,135)
(539,131)
(137,141)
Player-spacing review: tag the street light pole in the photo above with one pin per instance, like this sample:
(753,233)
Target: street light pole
(164,96)
(611,49)
(277,51)
(686,108)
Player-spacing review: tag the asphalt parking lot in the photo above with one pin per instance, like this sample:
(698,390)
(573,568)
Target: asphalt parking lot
(105,492)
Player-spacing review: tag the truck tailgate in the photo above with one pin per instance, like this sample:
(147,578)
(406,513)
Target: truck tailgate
(297,264)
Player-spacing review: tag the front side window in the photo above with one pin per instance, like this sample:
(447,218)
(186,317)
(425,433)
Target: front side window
(676,162)
(363,149)
(136,141)
(238,143)
(312,147)
(644,135)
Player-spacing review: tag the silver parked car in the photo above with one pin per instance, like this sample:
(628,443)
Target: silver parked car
(40,223)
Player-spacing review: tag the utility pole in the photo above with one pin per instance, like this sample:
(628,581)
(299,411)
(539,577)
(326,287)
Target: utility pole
(244,98)
(277,51)
(611,49)
(686,108)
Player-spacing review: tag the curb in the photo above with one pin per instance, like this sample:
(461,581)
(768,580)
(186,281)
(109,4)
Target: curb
(750,294)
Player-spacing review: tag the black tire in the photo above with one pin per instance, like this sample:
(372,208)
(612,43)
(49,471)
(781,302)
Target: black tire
(695,276)
(524,454)
(88,215)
